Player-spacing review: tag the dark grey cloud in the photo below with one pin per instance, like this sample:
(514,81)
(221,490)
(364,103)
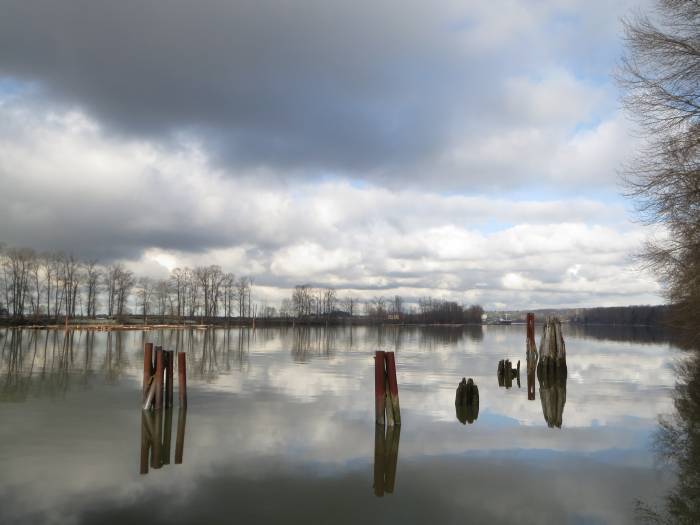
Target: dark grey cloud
(372,89)
(303,84)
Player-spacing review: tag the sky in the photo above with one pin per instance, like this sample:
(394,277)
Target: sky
(466,150)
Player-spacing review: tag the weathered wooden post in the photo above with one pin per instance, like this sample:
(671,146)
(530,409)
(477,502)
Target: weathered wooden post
(379,387)
(552,372)
(160,364)
(180,439)
(552,349)
(182,378)
(169,378)
(147,368)
(393,386)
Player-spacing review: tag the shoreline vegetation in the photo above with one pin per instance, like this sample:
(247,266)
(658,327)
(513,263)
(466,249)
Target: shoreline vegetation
(52,289)
(629,316)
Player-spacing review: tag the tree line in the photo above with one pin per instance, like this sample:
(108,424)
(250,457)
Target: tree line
(55,285)
(625,315)
(308,302)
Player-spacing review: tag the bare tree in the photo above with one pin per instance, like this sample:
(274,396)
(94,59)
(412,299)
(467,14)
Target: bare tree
(144,294)
(92,282)
(660,74)
(348,305)
(178,279)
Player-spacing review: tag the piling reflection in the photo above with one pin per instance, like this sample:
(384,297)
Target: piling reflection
(156,438)
(552,393)
(467,401)
(386,458)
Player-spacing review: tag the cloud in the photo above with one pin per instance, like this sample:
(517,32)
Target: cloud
(395,93)
(73,187)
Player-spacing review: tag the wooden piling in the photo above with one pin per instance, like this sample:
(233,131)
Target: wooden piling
(379,387)
(393,386)
(387,404)
(160,364)
(531,356)
(147,367)
(169,378)
(182,378)
(148,402)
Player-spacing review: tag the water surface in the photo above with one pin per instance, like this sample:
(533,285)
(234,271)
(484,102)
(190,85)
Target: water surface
(280,427)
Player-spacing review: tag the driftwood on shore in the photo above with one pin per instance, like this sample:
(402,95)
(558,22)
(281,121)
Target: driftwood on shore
(467,401)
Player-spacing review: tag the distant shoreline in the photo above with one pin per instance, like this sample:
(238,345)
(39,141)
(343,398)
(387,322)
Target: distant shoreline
(134,323)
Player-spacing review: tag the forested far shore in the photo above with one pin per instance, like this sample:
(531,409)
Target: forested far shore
(53,287)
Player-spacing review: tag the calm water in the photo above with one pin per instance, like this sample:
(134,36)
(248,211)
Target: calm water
(280,426)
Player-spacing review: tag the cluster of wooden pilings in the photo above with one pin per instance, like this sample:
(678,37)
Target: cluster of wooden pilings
(156,433)
(158,371)
(386,389)
(506,373)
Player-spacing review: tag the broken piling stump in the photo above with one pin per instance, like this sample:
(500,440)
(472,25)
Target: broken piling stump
(552,361)
(506,373)
(552,372)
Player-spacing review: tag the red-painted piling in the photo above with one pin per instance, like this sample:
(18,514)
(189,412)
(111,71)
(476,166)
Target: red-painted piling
(147,367)
(169,378)
(160,365)
(182,378)
(393,386)
(531,354)
(379,387)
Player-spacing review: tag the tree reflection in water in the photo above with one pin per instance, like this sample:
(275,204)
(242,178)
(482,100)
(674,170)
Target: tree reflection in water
(677,443)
